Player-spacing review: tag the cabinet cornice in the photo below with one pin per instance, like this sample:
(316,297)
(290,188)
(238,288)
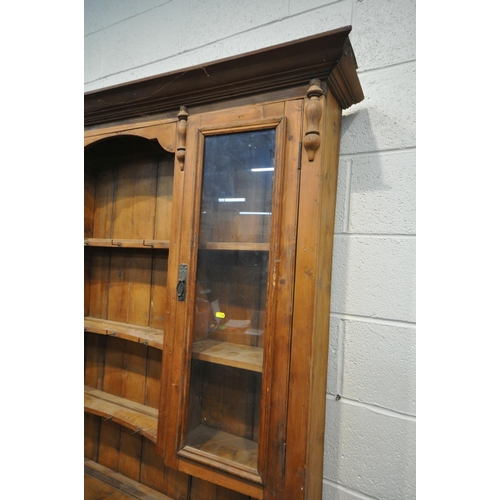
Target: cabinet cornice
(324,56)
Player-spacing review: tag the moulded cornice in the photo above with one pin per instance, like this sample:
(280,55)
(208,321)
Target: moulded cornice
(325,56)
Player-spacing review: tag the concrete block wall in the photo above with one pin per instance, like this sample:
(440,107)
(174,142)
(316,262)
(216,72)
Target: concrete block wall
(370,430)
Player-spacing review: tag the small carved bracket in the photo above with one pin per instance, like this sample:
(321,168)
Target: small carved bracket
(313,113)
(180,154)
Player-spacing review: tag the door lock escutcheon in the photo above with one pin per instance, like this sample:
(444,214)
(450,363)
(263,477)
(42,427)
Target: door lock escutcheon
(181,282)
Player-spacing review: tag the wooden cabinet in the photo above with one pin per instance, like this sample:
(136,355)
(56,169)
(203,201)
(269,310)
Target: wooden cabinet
(208,247)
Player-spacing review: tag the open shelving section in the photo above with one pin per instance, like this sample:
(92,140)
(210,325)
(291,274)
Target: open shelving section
(128,197)
(128,213)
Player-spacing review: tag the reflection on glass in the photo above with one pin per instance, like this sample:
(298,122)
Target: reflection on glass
(237,187)
(232,271)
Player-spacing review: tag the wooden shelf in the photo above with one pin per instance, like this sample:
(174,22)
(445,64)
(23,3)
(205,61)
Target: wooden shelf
(235,245)
(101,482)
(208,444)
(143,334)
(229,354)
(135,416)
(126,243)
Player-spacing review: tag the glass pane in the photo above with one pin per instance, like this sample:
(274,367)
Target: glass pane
(232,271)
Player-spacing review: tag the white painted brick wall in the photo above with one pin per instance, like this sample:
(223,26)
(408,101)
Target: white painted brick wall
(379,365)
(384,32)
(374,276)
(373,363)
(370,431)
(385,119)
(382,194)
(369,452)
(102,14)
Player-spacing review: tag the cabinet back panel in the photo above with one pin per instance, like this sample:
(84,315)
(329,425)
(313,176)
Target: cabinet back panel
(129,287)
(134,204)
(104,183)
(126,285)
(88,215)
(225,398)
(129,198)
(164,193)
(122,368)
(97,262)
(125,369)
(92,426)
(95,355)
(158,290)
(235,281)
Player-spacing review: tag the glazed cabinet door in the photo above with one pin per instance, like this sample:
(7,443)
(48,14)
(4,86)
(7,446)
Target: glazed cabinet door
(230,299)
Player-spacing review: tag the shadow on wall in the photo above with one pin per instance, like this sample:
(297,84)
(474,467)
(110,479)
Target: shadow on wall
(374,277)
(357,137)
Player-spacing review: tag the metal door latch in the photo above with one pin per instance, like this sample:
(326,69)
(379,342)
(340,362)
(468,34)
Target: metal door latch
(181,283)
